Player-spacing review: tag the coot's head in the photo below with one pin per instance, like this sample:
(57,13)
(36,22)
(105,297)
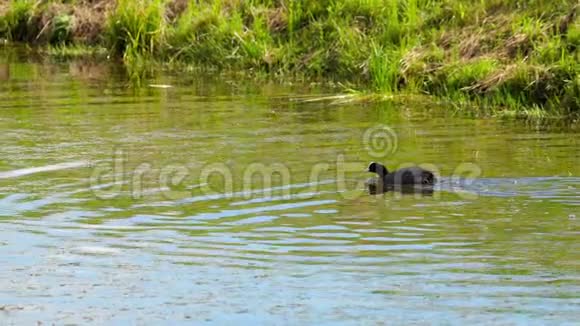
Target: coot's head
(378,168)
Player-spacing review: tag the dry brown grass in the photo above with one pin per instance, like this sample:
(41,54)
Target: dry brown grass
(45,18)
(518,44)
(567,20)
(536,75)
(413,62)
(472,46)
(89,18)
(493,80)
(494,39)
(89,21)
(175,8)
(277,19)
(4,6)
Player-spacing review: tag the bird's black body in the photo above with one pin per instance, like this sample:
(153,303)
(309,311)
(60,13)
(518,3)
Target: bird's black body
(402,179)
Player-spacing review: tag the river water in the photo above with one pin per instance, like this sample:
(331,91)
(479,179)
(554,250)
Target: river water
(196,197)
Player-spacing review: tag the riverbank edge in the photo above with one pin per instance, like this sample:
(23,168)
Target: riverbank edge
(503,59)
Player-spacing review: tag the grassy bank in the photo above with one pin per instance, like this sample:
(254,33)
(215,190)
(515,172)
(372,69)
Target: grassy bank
(521,56)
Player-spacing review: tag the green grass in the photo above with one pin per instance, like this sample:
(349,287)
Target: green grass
(136,29)
(519,57)
(15,24)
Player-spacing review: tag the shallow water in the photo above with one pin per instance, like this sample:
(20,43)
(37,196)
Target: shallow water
(140,204)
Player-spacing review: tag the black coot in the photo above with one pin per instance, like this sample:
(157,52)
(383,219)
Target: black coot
(404,178)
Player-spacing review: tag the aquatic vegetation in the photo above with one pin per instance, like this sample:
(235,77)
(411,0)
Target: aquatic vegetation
(512,56)
(135,28)
(60,51)
(15,20)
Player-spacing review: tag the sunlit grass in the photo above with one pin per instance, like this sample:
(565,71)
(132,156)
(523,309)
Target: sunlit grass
(136,28)
(511,55)
(15,24)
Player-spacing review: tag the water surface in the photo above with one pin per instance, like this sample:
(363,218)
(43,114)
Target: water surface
(137,204)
